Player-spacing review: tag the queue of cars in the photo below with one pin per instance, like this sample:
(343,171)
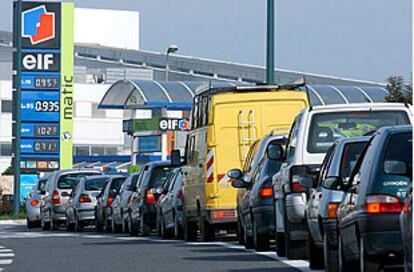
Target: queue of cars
(325,183)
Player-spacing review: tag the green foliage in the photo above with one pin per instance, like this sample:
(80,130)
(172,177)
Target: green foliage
(133,169)
(398,90)
(8,171)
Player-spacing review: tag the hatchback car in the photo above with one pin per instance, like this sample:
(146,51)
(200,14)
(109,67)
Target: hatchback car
(325,198)
(33,204)
(57,191)
(80,209)
(170,207)
(104,200)
(256,220)
(143,213)
(368,217)
(120,205)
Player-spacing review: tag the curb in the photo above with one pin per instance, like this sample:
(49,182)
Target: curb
(12,222)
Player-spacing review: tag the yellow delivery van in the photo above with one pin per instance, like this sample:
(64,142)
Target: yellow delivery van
(224,123)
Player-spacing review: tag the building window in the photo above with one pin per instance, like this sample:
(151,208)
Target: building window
(97,113)
(81,151)
(111,151)
(5,149)
(98,151)
(6,106)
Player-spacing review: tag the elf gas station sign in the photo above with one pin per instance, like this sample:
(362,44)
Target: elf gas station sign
(46,70)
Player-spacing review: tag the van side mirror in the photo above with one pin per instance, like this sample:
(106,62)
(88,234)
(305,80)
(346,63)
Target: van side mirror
(275,152)
(235,174)
(333,183)
(395,167)
(239,184)
(175,157)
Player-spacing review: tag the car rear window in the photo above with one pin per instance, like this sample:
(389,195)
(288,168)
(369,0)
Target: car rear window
(95,184)
(327,127)
(117,183)
(400,148)
(159,175)
(68,181)
(350,155)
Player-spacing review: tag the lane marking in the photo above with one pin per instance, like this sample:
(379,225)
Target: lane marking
(6,255)
(5,262)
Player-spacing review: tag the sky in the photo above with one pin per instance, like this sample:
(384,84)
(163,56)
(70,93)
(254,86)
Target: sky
(369,39)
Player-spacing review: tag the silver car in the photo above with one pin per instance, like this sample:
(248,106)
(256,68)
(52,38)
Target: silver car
(57,192)
(33,204)
(80,209)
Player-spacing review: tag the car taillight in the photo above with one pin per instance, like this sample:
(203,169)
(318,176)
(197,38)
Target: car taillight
(296,187)
(180,193)
(332,210)
(110,201)
(296,172)
(266,190)
(149,197)
(34,202)
(56,198)
(405,207)
(382,204)
(129,199)
(84,199)
(219,214)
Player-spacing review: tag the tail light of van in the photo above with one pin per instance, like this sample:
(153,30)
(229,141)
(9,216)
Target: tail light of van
(150,197)
(333,209)
(220,214)
(110,201)
(180,193)
(382,204)
(296,172)
(266,190)
(84,199)
(34,202)
(56,198)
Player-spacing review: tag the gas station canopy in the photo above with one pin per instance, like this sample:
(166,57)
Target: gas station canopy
(178,95)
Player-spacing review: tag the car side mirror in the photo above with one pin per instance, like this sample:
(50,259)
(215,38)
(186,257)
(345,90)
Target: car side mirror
(235,174)
(333,183)
(395,167)
(275,152)
(239,184)
(176,157)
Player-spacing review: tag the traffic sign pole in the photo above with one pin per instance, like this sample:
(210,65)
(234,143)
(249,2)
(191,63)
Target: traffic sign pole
(270,51)
(17,108)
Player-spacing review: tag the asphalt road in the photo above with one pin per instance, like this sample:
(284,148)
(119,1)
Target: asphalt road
(33,250)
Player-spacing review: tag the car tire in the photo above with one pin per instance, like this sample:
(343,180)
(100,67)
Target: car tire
(178,229)
(133,230)
(108,226)
(115,227)
(98,225)
(367,263)
(78,224)
(53,223)
(158,221)
(280,244)
(125,228)
(330,255)
(261,241)
(165,233)
(316,257)
(190,230)
(240,232)
(343,264)
(294,249)
(69,226)
(144,229)
(30,224)
(207,231)
(248,240)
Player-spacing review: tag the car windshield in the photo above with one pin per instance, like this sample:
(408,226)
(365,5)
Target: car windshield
(95,184)
(349,157)
(117,183)
(68,181)
(159,176)
(328,127)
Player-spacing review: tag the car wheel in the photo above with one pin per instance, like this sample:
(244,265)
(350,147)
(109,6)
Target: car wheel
(125,226)
(190,230)
(133,230)
(165,234)
(316,258)
(178,230)
(144,229)
(115,227)
(248,240)
(295,249)
(240,232)
(343,264)
(330,255)
(280,244)
(53,223)
(366,262)
(261,241)
(98,225)
(30,224)
(207,231)
(108,225)
(78,224)
(158,220)
(69,226)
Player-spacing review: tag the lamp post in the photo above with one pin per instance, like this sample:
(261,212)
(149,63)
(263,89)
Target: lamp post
(170,50)
(270,43)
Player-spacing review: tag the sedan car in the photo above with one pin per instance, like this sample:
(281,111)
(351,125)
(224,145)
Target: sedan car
(104,200)
(406,221)
(170,207)
(325,198)
(368,217)
(33,204)
(80,209)
(120,205)
(255,195)
(143,214)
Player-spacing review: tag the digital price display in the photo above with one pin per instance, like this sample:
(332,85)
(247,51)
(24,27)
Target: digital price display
(39,130)
(46,82)
(47,106)
(46,146)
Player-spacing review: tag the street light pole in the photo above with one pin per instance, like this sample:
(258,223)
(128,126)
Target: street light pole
(171,49)
(17,109)
(270,43)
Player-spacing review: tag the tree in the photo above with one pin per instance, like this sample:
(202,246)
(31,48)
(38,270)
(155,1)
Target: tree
(8,171)
(398,90)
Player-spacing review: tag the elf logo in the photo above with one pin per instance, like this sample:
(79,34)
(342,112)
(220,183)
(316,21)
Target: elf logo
(38,25)
(173,124)
(36,62)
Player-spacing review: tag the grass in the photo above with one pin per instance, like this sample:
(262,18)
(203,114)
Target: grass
(21,215)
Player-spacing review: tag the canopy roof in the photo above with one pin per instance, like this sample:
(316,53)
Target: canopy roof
(149,94)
